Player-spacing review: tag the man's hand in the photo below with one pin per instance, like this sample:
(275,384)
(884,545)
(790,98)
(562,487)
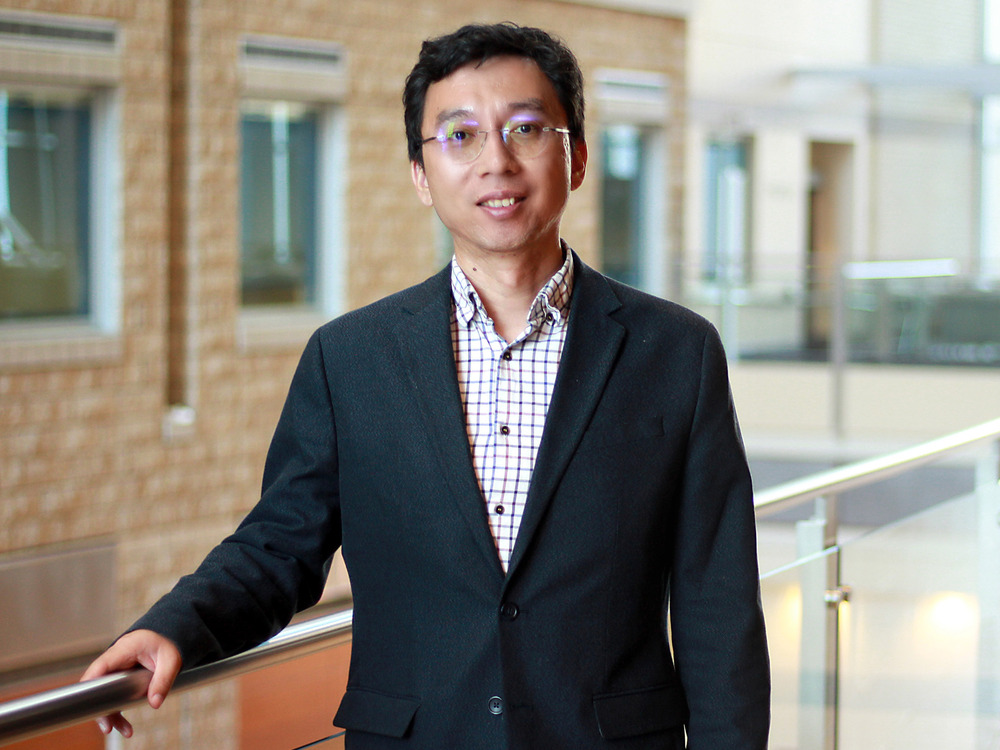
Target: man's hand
(146,649)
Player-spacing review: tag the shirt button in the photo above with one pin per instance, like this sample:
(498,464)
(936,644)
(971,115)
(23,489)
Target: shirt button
(504,430)
(496,705)
(509,610)
(499,510)
(508,356)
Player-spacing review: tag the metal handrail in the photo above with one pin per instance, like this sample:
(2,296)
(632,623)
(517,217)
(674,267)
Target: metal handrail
(868,471)
(55,709)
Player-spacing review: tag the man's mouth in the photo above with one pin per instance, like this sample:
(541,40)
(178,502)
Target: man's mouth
(499,202)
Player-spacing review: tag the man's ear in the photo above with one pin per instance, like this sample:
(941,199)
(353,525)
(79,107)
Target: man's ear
(419,177)
(578,163)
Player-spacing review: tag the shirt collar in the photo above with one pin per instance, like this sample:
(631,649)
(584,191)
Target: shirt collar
(553,299)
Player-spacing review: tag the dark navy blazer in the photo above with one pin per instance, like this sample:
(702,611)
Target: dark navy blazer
(640,499)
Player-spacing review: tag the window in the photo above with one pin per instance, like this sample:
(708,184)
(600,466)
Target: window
(278,192)
(726,211)
(292,183)
(624,193)
(44,204)
(60,279)
(633,108)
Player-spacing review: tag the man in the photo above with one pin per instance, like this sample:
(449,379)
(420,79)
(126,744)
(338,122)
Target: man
(523,461)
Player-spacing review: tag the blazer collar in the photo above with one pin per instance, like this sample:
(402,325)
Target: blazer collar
(424,334)
(593,341)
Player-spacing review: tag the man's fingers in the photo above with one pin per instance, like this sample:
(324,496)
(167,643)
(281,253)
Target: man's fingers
(115,722)
(138,648)
(98,668)
(124,653)
(168,664)
(122,725)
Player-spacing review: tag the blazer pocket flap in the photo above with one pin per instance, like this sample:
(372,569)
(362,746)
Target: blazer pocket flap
(639,712)
(378,713)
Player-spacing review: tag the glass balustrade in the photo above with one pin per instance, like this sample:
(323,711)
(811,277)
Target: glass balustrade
(920,312)
(793,599)
(891,638)
(886,637)
(919,646)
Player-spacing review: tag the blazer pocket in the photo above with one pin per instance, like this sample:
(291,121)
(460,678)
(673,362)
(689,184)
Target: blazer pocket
(378,713)
(638,712)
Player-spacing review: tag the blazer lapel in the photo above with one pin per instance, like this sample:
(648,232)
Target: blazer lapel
(592,345)
(429,362)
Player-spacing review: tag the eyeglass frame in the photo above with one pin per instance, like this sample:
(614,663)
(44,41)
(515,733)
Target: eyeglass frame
(504,136)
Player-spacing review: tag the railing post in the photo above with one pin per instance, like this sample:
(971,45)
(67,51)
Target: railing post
(988,589)
(822,594)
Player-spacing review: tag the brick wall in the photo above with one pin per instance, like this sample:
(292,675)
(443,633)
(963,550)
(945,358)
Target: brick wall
(83,457)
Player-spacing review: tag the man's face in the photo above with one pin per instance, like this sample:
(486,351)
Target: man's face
(498,202)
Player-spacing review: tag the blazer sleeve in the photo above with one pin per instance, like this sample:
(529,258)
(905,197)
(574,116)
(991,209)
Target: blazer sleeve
(275,564)
(716,618)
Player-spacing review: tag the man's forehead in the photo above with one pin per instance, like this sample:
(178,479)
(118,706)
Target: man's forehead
(506,84)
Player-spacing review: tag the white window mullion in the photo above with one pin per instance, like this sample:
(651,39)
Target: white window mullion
(6,236)
(105,215)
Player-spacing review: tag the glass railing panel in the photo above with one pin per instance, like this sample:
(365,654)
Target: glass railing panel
(776,546)
(918,651)
(775,316)
(794,610)
(858,511)
(933,320)
(918,312)
(292,704)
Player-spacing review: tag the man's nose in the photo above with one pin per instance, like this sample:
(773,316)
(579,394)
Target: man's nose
(496,154)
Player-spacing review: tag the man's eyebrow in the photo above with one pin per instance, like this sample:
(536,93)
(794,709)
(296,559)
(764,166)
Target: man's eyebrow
(533,104)
(530,105)
(450,115)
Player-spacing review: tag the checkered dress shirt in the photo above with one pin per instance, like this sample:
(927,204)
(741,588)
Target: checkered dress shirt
(506,390)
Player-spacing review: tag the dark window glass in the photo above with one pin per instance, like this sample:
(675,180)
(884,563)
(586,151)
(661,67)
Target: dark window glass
(622,201)
(726,214)
(278,197)
(44,207)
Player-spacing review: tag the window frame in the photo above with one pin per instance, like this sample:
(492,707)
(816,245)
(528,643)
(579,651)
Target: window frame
(314,73)
(42,60)
(641,99)
(726,257)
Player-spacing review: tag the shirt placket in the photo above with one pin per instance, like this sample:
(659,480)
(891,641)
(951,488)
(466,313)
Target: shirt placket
(510,446)
(505,404)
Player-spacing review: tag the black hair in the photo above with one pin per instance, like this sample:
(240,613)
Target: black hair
(476,43)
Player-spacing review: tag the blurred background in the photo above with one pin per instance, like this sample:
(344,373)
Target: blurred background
(188,188)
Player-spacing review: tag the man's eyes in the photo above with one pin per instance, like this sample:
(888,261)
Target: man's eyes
(458,134)
(525,128)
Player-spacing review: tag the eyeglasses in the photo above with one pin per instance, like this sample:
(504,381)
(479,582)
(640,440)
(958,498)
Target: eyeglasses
(463,142)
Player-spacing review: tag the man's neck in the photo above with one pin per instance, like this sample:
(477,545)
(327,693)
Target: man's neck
(508,283)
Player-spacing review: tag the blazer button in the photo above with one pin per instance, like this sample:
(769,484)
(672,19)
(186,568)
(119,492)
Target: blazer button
(496,705)
(509,610)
